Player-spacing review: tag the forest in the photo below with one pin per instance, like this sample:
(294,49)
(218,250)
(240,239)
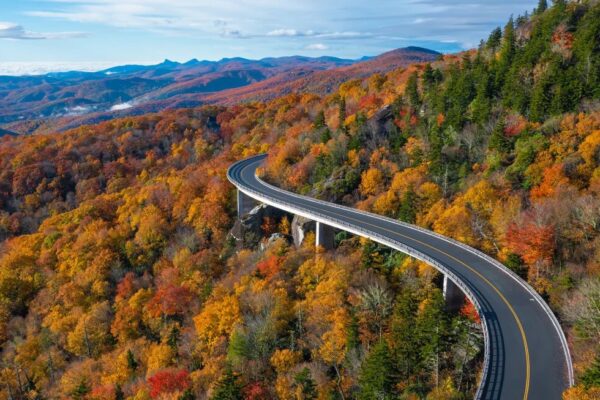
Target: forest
(120,278)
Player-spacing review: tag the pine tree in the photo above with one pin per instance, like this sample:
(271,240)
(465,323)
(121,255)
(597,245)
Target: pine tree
(494,39)
(412,90)
(407,211)
(228,387)
(370,257)
(342,114)
(431,329)
(428,76)
(119,395)
(325,135)
(507,53)
(498,140)
(542,6)
(376,375)
(539,100)
(319,120)
(306,388)
(402,331)
(132,363)
(591,376)
(352,336)
(173,338)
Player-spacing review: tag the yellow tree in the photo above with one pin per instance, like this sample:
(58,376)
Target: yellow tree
(371,182)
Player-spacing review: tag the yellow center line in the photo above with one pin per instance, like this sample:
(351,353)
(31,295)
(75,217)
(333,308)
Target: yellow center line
(512,310)
(487,281)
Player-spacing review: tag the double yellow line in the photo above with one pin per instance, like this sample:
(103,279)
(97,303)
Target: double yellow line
(487,281)
(504,299)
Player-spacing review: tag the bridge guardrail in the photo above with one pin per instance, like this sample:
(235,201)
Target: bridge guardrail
(536,296)
(385,241)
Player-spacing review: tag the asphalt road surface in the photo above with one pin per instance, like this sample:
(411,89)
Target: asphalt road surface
(526,354)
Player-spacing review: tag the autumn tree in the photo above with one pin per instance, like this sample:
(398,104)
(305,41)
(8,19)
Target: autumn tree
(228,387)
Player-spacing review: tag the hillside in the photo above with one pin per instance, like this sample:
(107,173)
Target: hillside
(60,101)
(120,276)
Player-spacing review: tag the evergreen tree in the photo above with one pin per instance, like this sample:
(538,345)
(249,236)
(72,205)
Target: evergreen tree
(352,337)
(376,375)
(498,140)
(306,388)
(542,6)
(319,120)
(407,211)
(342,114)
(239,347)
(412,90)
(507,53)
(402,331)
(173,338)
(132,363)
(81,390)
(431,329)
(228,387)
(494,39)
(371,257)
(325,135)
(428,76)
(591,376)
(481,106)
(539,100)
(187,395)
(119,395)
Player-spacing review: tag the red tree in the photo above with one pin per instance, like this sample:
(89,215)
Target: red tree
(170,300)
(256,391)
(269,266)
(532,240)
(168,381)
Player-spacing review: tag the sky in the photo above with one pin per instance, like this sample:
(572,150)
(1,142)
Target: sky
(38,36)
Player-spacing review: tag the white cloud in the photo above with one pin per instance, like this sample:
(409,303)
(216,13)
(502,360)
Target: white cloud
(320,35)
(40,68)
(421,21)
(121,107)
(9,30)
(317,46)
(286,32)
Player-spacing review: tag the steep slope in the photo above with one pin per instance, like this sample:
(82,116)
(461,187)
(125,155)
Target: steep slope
(324,82)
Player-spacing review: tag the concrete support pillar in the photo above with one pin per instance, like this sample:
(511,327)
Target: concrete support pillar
(325,236)
(245,203)
(454,297)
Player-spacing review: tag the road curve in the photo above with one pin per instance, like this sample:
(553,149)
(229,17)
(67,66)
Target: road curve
(526,354)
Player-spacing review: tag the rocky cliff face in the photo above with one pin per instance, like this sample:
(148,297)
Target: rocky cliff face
(300,227)
(248,229)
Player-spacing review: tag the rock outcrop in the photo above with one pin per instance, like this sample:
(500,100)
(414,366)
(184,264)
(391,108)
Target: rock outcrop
(248,230)
(300,227)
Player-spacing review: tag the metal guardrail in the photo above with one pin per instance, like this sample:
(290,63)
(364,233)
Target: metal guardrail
(536,296)
(290,207)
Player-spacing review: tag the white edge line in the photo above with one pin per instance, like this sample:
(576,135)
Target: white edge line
(477,253)
(472,250)
(390,243)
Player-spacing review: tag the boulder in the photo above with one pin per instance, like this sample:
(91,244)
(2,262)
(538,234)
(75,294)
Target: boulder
(300,227)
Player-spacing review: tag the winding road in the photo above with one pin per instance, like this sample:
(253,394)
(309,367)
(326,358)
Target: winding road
(526,354)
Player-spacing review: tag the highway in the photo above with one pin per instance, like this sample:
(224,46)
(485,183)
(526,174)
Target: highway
(526,355)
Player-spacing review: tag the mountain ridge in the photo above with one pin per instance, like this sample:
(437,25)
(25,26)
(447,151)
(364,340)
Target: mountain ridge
(69,99)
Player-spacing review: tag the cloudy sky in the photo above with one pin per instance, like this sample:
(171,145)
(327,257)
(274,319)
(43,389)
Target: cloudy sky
(39,35)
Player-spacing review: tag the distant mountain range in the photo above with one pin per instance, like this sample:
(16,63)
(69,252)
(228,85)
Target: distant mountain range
(4,132)
(64,100)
